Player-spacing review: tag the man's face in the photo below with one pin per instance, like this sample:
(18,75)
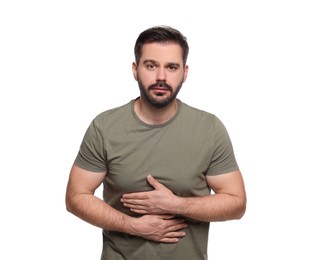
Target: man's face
(160,73)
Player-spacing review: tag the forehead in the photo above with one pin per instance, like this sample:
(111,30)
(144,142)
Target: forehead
(162,52)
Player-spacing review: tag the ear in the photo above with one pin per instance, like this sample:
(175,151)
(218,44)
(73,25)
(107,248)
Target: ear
(134,68)
(185,75)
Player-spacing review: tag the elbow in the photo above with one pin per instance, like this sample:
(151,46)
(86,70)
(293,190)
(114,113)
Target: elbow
(241,210)
(240,213)
(72,200)
(68,207)
(69,204)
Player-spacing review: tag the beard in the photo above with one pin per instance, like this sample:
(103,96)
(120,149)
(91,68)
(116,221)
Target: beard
(156,100)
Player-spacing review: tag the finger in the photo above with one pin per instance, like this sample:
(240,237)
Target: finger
(152,181)
(169,240)
(167,216)
(177,227)
(136,195)
(175,234)
(139,211)
(132,205)
(131,202)
(172,237)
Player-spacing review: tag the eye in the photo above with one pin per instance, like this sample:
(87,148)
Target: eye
(150,66)
(172,67)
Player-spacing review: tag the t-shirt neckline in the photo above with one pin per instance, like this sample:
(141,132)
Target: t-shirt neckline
(132,105)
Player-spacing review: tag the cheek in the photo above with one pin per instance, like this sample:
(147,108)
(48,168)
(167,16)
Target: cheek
(176,81)
(184,78)
(146,78)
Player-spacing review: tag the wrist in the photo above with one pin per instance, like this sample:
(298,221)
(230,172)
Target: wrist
(180,206)
(131,225)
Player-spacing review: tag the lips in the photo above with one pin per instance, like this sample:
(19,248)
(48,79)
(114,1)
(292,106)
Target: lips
(160,86)
(160,91)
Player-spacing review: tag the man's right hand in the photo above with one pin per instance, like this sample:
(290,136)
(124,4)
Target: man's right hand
(159,228)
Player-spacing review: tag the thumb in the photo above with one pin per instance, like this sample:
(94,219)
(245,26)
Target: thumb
(152,181)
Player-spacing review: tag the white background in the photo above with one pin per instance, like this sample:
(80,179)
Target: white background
(252,63)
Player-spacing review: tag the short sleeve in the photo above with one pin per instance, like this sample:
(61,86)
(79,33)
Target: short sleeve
(223,158)
(92,154)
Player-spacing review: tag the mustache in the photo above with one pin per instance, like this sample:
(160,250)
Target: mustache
(160,84)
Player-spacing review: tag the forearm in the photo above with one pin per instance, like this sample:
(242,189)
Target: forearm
(158,228)
(80,201)
(98,213)
(217,207)
(228,202)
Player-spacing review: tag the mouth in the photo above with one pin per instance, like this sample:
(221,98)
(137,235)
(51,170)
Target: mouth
(160,89)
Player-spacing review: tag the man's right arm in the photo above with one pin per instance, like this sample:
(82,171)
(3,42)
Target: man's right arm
(81,201)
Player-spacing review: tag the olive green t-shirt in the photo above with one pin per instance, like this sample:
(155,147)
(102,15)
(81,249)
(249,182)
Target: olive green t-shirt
(179,154)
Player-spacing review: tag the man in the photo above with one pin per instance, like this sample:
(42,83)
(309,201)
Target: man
(158,159)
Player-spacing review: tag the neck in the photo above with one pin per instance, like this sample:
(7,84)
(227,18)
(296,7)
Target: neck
(152,115)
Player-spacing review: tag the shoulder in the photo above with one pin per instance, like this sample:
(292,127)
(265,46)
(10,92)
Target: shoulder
(112,115)
(202,121)
(199,115)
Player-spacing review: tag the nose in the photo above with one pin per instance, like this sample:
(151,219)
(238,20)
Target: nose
(161,74)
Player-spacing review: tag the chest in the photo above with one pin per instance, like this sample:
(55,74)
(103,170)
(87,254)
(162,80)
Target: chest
(177,159)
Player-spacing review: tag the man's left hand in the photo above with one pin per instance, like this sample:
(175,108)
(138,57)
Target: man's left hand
(161,200)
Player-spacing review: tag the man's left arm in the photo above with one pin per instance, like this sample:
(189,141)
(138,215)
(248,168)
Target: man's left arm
(228,201)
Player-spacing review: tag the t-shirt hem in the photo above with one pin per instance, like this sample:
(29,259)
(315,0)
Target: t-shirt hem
(90,169)
(222,171)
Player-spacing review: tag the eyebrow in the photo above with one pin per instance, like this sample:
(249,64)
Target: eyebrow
(155,62)
(149,61)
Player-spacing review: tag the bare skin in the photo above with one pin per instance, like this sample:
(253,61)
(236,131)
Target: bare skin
(163,63)
(228,202)
(159,62)
(80,200)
